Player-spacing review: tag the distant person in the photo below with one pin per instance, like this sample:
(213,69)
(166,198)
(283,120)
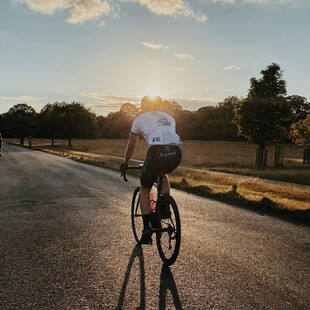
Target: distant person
(163,154)
(0,145)
(30,142)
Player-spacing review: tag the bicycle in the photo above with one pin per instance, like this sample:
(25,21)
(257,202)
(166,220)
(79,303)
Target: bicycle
(165,220)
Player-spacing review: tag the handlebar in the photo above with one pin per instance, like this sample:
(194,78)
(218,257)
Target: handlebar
(123,173)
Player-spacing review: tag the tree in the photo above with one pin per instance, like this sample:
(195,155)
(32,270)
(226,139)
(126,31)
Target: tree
(300,133)
(185,124)
(117,125)
(47,121)
(3,126)
(263,121)
(215,123)
(129,109)
(171,107)
(255,119)
(265,115)
(101,123)
(67,121)
(225,112)
(270,85)
(300,107)
(75,121)
(20,121)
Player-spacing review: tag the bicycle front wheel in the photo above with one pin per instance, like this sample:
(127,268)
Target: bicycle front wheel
(136,215)
(168,239)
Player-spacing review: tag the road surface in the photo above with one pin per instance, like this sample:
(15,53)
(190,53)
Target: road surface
(66,243)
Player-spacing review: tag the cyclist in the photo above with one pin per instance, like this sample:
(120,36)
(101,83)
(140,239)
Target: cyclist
(163,154)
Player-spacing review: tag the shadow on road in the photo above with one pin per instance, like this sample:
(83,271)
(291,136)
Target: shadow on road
(136,253)
(167,283)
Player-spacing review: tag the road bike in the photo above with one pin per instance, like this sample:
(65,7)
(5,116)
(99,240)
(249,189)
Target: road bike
(165,220)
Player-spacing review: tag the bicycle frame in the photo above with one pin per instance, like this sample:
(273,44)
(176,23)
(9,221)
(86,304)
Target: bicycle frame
(167,227)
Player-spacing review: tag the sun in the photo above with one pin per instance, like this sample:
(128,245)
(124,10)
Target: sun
(152,92)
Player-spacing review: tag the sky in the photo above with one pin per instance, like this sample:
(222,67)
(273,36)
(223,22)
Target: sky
(103,53)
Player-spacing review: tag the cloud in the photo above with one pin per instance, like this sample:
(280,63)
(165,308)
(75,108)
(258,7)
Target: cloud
(172,8)
(193,104)
(183,56)
(108,101)
(232,67)
(179,69)
(21,98)
(80,10)
(204,99)
(155,46)
(225,1)
(256,1)
(46,7)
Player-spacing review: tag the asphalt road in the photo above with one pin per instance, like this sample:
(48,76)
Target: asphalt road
(66,243)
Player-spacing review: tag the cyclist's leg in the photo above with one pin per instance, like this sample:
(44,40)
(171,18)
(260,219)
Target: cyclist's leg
(148,178)
(165,187)
(146,216)
(145,199)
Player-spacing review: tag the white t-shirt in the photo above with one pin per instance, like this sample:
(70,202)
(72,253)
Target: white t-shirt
(158,128)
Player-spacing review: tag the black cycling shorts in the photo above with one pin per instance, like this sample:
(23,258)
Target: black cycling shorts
(159,159)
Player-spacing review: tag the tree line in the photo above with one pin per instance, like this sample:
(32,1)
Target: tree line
(266,115)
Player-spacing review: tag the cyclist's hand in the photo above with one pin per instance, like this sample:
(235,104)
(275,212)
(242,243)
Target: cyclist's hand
(123,168)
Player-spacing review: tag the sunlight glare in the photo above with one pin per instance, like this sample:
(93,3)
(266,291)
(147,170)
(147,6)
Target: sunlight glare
(153,93)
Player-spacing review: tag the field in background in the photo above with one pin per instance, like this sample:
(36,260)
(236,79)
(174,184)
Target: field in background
(221,170)
(195,153)
(228,157)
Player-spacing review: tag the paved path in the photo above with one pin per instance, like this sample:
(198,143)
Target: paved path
(66,243)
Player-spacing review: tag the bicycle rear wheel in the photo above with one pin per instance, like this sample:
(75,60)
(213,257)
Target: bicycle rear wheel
(169,238)
(136,215)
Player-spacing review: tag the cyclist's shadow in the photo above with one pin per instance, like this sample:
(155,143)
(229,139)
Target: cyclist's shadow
(137,252)
(167,283)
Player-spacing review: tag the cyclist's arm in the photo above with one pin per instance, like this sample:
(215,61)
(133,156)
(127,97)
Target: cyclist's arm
(133,139)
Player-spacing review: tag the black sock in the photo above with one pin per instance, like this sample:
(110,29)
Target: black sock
(146,221)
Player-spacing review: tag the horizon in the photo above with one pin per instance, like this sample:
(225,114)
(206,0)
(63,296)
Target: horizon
(105,53)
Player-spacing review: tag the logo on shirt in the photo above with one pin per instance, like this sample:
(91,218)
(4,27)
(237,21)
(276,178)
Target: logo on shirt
(163,121)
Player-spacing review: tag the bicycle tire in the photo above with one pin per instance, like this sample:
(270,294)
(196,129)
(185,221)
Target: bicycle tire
(168,239)
(136,215)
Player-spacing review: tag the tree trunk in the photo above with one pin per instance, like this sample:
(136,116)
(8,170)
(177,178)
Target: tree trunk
(70,142)
(261,157)
(22,141)
(306,159)
(279,156)
(53,142)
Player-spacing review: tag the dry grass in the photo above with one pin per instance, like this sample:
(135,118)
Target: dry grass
(201,164)
(252,189)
